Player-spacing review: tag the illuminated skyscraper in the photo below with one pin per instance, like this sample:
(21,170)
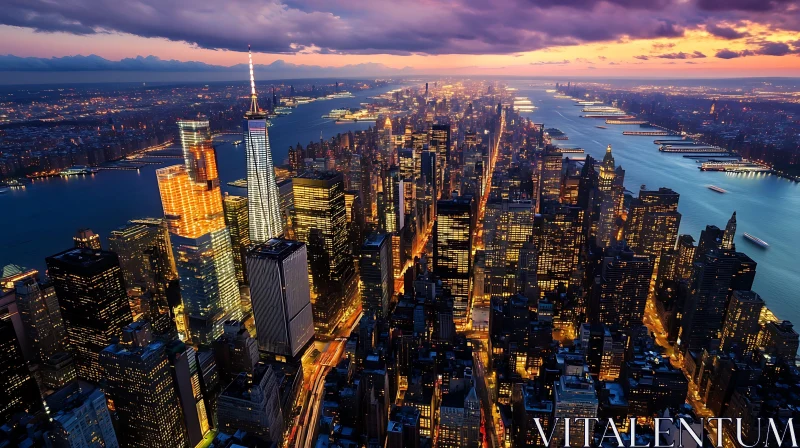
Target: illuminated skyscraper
(509,225)
(138,380)
(377,281)
(262,189)
(740,329)
(558,234)
(574,398)
(606,227)
(320,209)
(281,296)
(86,239)
(19,388)
(94,303)
(238,221)
(622,288)
(440,145)
(653,222)
(185,374)
(730,233)
(551,176)
(192,202)
(452,251)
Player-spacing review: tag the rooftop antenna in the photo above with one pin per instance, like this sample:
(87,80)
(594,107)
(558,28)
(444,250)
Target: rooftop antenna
(253,97)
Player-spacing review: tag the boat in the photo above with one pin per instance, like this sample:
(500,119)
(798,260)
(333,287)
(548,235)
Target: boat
(756,240)
(732,165)
(523,104)
(601,127)
(550,91)
(4,190)
(717,189)
(237,142)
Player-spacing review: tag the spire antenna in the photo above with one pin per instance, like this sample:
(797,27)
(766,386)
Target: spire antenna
(253,96)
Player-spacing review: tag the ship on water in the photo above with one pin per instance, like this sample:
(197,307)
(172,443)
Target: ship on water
(336,113)
(756,240)
(717,189)
(523,104)
(735,166)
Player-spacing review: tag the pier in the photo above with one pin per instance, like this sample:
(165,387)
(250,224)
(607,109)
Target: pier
(648,133)
(618,121)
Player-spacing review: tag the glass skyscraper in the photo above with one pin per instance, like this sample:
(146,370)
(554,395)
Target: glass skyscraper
(262,189)
(193,209)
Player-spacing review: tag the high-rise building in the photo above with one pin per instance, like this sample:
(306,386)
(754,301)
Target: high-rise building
(622,289)
(440,145)
(391,205)
(238,222)
(138,380)
(185,374)
(653,222)
(252,403)
(145,256)
(780,339)
(551,176)
(19,389)
(558,234)
(94,304)
(86,239)
(192,202)
(460,420)
(377,281)
(281,296)
(606,227)
(508,227)
(262,188)
(741,327)
(730,233)
(41,317)
(574,398)
(453,235)
(320,209)
(80,418)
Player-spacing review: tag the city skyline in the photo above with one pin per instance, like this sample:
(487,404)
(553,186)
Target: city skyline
(668,38)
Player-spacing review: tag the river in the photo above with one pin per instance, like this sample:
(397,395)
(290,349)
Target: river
(766,206)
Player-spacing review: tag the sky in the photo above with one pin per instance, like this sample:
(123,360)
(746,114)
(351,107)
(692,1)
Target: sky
(620,38)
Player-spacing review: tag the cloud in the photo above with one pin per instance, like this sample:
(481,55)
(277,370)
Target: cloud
(766,48)
(565,61)
(725,32)
(663,46)
(730,54)
(642,57)
(430,27)
(681,55)
(277,69)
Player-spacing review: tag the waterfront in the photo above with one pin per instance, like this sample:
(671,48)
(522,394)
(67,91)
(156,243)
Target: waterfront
(41,219)
(766,206)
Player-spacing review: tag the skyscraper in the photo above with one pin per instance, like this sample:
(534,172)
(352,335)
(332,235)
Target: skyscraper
(622,289)
(558,234)
(252,403)
(730,233)
(186,375)
(320,209)
(192,202)
(86,239)
(740,329)
(136,373)
(508,226)
(453,235)
(80,418)
(440,145)
(377,281)
(606,227)
(19,389)
(262,189)
(281,296)
(575,398)
(238,222)
(653,222)
(551,176)
(94,304)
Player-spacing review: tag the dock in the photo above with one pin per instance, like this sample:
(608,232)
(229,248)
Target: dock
(647,133)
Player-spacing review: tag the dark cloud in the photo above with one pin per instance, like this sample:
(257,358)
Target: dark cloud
(775,49)
(391,26)
(725,32)
(681,55)
(730,54)
(663,46)
(642,57)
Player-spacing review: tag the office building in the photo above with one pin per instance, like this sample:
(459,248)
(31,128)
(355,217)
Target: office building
(730,234)
(377,281)
(262,188)
(621,289)
(453,235)
(94,304)
(781,340)
(238,222)
(508,227)
(80,418)
(741,327)
(251,403)
(86,239)
(606,227)
(281,296)
(192,202)
(19,389)
(321,223)
(138,380)
(653,222)
(558,234)
(551,176)
(460,420)
(440,146)
(41,317)
(186,376)
(574,397)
